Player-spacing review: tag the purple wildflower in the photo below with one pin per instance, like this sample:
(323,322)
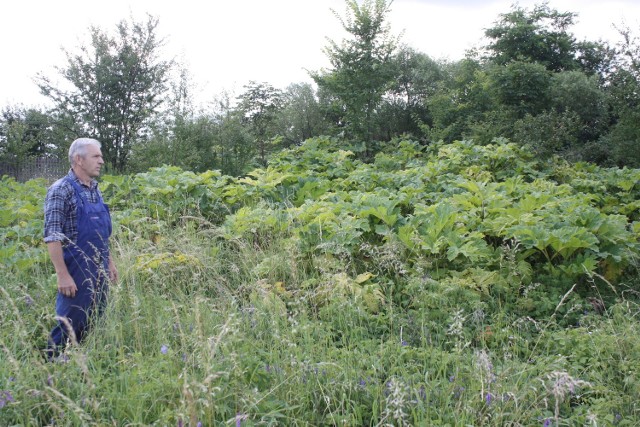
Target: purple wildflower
(489,398)
(547,422)
(164,349)
(457,392)
(199,424)
(5,397)
(404,343)
(423,392)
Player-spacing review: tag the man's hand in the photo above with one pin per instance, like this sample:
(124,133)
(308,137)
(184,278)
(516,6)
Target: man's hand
(113,271)
(66,286)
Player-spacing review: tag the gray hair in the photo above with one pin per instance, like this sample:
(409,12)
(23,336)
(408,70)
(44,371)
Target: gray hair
(79,147)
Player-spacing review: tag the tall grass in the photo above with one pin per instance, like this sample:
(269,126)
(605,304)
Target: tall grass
(207,331)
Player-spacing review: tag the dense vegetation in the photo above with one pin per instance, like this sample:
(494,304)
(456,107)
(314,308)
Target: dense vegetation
(461,249)
(530,81)
(448,284)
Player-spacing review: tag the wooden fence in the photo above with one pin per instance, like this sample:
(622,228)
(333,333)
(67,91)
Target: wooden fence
(49,168)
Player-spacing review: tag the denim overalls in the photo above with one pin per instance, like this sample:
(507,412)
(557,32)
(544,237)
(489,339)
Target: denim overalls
(88,263)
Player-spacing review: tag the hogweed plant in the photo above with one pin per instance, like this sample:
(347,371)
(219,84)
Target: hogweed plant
(448,284)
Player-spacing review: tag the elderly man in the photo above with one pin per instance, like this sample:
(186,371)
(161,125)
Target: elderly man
(77,227)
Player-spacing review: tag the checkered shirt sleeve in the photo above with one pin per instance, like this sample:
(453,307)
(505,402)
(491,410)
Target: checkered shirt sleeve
(60,210)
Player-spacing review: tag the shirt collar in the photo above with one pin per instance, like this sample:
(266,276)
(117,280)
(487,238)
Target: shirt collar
(92,185)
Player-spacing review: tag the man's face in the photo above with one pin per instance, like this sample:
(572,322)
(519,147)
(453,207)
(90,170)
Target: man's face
(91,162)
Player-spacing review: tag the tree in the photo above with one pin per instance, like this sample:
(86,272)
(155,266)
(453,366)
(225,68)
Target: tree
(575,91)
(538,36)
(300,117)
(461,101)
(117,84)
(24,132)
(417,79)
(259,105)
(522,86)
(361,66)
(621,146)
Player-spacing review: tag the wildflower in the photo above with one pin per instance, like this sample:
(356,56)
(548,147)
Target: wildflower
(404,343)
(547,422)
(5,397)
(199,424)
(488,398)
(560,385)
(240,418)
(457,392)
(422,393)
(483,362)
(164,349)
(456,326)
(28,300)
(396,402)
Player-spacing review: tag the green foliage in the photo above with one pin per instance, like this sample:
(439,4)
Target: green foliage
(549,133)
(21,225)
(117,85)
(259,105)
(440,284)
(362,68)
(521,86)
(24,133)
(540,35)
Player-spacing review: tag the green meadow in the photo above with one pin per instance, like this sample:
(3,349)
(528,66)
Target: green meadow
(446,285)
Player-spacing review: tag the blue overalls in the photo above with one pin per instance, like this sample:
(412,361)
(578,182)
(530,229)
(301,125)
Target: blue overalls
(88,263)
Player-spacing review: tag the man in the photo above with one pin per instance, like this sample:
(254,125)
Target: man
(77,227)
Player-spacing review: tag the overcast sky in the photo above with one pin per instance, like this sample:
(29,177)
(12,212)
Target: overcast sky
(225,44)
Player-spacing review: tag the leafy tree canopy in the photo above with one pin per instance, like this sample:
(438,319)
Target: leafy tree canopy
(362,69)
(540,35)
(116,85)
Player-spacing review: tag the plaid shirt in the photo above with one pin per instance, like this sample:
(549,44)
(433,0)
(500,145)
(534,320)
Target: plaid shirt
(60,209)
